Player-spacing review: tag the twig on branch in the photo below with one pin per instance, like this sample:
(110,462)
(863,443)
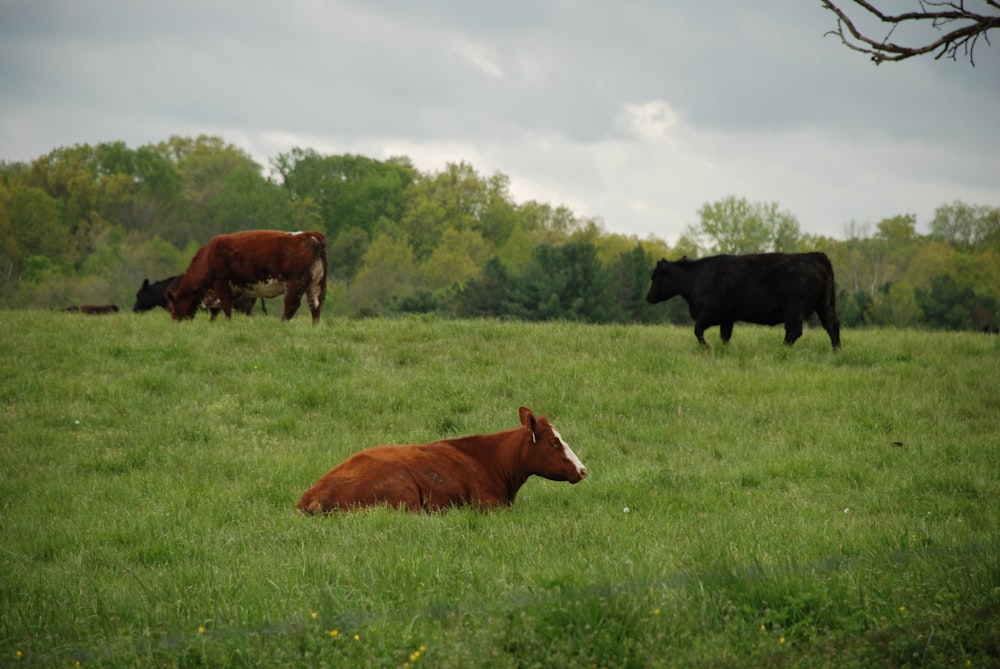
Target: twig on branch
(943,15)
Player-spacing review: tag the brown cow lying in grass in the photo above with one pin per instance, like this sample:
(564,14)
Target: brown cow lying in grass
(479,471)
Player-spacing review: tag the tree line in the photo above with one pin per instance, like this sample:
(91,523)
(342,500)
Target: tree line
(86,224)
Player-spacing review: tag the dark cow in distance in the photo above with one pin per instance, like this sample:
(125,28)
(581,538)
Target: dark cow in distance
(480,471)
(765,288)
(94,309)
(261,263)
(152,295)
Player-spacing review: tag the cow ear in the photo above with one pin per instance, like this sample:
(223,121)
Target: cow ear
(145,283)
(528,421)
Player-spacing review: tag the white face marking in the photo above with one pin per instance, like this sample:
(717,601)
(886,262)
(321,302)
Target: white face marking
(570,455)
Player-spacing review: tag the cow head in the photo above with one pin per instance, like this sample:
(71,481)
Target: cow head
(152,295)
(550,457)
(663,284)
(181,307)
(148,297)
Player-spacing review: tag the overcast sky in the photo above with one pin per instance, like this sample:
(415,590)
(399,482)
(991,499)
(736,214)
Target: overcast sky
(636,112)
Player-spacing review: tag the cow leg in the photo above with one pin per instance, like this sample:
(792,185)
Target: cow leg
(315,296)
(828,317)
(699,332)
(293,297)
(726,330)
(225,295)
(793,330)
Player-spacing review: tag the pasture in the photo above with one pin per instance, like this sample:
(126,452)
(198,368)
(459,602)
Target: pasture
(745,506)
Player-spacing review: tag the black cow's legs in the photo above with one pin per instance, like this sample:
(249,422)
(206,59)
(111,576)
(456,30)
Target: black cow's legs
(699,332)
(831,324)
(726,330)
(793,330)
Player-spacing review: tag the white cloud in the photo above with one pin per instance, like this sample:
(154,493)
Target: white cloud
(480,56)
(651,121)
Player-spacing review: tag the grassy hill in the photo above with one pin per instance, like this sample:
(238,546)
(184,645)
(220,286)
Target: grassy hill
(746,506)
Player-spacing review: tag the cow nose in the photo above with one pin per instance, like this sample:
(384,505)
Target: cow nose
(583,472)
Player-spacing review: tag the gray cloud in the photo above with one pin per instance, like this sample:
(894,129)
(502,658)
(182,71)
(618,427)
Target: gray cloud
(637,113)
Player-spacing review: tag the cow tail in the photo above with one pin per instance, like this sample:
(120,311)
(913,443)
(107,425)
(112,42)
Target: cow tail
(318,242)
(320,246)
(323,252)
(831,283)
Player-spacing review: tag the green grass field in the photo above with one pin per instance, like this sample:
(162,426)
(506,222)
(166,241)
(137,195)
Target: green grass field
(746,506)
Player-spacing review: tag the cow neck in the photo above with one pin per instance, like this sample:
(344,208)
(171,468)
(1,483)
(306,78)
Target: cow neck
(685,277)
(502,456)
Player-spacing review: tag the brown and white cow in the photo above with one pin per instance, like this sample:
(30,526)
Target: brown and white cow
(260,263)
(479,471)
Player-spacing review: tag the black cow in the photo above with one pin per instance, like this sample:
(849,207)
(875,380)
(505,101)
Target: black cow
(766,288)
(152,295)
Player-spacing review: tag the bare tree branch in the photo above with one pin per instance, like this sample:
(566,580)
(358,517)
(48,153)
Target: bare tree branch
(958,26)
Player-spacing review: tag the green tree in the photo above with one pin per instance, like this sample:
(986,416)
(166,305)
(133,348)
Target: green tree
(215,178)
(853,307)
(350,191)
(91,190)
(952,306)
(738,226)
(868,262)
(388,274)
(565,282)
(489,295)
(459,258)
(458,198)
(896,305)
(967,227)
(346,253)
(630,278)
(248,201)
(31,225)
(157,204)
(147,258)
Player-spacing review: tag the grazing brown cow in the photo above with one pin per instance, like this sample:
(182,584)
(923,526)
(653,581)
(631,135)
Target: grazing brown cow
(94,309)
(261,263)
(480,471)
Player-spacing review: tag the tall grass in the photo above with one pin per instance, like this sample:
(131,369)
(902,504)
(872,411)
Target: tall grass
(748,505)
